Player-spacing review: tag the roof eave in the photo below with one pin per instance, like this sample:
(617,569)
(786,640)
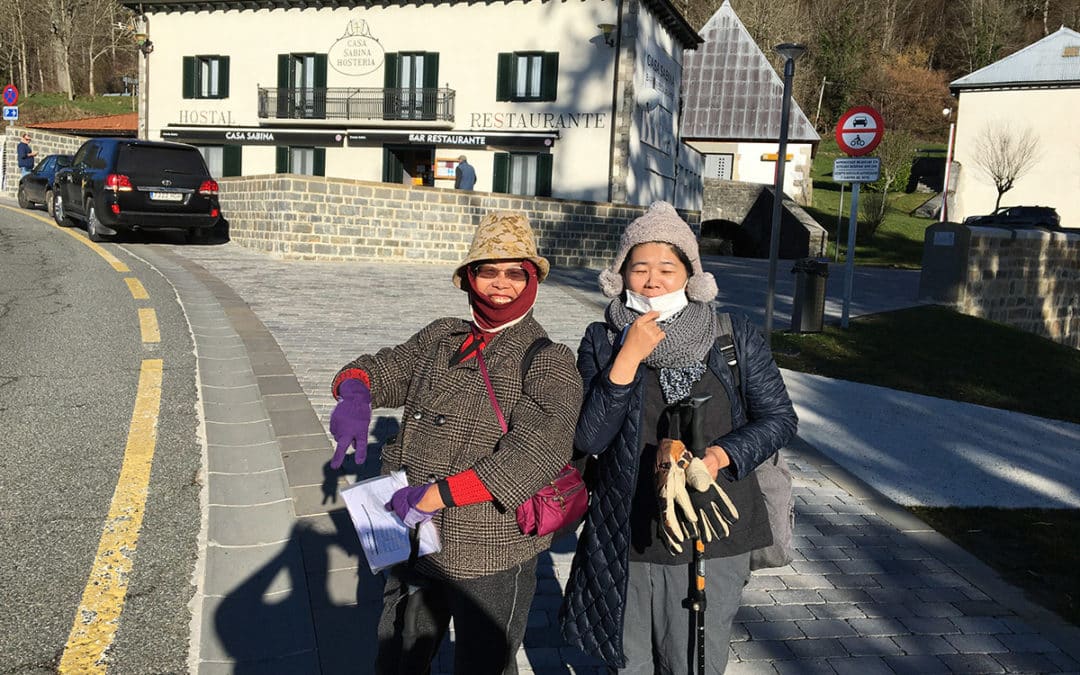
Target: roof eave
(955,88)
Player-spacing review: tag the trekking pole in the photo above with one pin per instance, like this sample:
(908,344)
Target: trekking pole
(696,602)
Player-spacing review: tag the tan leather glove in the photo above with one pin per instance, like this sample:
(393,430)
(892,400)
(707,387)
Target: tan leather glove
(676,509)
(711,504)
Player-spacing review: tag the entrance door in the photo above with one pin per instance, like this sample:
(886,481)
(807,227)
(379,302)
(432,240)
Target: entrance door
(409,164)
(411,84)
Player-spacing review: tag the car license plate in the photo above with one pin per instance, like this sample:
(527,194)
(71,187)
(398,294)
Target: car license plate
(167,196)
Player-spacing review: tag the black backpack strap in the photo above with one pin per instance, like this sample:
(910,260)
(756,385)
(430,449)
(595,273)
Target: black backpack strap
(530,354)
(726,341)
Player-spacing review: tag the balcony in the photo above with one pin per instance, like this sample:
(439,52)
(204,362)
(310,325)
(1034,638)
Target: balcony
(356,103)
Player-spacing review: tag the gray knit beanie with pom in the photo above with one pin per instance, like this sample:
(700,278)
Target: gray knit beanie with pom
(661,223)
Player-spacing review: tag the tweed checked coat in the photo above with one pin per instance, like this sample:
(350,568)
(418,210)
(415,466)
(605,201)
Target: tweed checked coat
(448,425)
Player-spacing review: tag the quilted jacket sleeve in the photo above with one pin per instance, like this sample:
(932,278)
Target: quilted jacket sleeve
(390,369)
(771,420)
(606,404)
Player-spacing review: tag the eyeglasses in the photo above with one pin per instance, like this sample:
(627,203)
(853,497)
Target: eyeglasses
(517,275)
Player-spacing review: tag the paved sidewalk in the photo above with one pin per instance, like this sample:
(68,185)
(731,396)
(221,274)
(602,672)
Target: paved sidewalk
(875,590)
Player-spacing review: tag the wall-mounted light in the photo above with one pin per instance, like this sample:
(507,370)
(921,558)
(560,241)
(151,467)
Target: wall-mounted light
(608,31)
(146,48)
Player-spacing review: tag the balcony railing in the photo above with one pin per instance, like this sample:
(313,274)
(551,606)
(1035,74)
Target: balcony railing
(356,103)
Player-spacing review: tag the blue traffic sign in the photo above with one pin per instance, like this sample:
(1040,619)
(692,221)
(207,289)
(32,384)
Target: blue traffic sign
(11,113)
(11,95)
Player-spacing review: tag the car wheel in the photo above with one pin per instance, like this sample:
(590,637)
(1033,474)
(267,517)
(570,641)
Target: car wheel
(59,214)
(24,201)
(49,205)
(93,225)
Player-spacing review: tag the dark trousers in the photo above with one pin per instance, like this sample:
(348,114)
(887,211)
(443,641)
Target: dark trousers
(490,614)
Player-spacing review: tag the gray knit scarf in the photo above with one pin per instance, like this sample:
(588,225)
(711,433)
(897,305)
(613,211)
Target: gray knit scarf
(680,357)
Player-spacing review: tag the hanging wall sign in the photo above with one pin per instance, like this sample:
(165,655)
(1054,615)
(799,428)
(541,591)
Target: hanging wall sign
(357,52)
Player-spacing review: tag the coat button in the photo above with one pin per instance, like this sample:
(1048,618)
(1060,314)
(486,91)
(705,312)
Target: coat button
(440,420)
(418,415)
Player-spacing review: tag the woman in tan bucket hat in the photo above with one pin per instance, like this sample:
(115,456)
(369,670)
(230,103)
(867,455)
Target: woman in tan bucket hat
(464,472)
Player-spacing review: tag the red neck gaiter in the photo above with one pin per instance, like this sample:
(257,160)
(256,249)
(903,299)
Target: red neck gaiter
(491,317)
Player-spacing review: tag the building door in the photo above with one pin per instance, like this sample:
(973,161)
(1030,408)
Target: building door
(412,81)
(302,86)
(409,164)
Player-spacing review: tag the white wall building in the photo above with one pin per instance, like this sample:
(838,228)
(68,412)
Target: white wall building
(543,96)
(1036,89)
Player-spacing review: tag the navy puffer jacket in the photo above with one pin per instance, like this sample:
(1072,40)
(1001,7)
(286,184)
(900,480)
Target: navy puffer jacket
(609,428)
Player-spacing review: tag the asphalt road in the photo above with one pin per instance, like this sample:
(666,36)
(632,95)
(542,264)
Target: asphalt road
(69,373)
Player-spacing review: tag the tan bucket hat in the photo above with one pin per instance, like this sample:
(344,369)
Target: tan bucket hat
(503,235)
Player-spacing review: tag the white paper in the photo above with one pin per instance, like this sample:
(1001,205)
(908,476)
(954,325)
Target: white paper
(384,538)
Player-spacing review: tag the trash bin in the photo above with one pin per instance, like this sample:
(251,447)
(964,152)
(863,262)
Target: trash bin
(808,310)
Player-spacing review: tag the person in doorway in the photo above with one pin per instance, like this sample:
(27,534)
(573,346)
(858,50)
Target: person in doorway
(458,380)
(657,348)
(464,174)
(25,155)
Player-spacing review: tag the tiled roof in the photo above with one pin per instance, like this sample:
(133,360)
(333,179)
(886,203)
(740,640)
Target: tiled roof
(126,124)
(1053,60)
(731,91)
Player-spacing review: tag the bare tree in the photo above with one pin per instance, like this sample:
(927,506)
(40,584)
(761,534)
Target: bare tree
(1003,155)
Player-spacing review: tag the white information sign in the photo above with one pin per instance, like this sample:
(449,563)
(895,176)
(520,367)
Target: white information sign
(856,169)
(11,112)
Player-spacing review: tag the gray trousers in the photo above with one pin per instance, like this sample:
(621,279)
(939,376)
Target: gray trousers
(656,630)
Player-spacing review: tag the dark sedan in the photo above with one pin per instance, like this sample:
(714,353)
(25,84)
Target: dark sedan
(36,187)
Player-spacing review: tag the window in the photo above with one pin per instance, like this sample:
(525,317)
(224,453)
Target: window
(301,160)
(527,76)
(410,85)
(522,174)
(719,166)
(222,160)
(301,81)
(206,77)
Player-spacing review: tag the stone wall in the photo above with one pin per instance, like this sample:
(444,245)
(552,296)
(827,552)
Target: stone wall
(314,218)
(1029,279)
(42,142)
(741,212)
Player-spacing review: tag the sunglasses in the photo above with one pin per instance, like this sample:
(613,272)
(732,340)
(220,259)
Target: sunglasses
(488,272)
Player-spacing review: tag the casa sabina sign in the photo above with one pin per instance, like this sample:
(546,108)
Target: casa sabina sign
(357,52)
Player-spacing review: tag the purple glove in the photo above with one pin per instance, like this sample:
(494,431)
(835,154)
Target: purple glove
(404,501)
(350,420)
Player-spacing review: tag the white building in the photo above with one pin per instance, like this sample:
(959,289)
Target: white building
(575,99)
(1037,89)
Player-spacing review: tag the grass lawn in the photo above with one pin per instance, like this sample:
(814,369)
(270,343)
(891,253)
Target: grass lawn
(38,108)
(938,352)
(899,240)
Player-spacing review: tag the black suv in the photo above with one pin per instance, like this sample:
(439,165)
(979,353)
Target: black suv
(118,184)
(1019,217)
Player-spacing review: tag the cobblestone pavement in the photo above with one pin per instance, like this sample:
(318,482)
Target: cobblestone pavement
(874,590)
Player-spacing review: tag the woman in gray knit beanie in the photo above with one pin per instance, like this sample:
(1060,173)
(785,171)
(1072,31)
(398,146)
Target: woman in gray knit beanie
(655,488)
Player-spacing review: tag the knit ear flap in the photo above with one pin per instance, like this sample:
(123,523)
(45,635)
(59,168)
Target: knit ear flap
(611,283)
(702,287)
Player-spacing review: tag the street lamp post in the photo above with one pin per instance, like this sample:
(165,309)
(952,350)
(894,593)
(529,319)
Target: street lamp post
(947,112)
(791,52)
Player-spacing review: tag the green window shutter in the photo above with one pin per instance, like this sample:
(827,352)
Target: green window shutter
(320,86)
(284,61)
(500,176)
(392,167)
(320,162)
(431,70)
(549,76)
(230,160)
(543,175)
(189,77)
(391,96)
(282,160)
(504,85)
(223,77)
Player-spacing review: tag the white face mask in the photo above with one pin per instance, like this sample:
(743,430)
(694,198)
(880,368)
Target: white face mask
(668,304)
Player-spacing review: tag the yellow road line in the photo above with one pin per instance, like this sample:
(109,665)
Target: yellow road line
(98,615)
(109,257)
(148,325)
(137,290)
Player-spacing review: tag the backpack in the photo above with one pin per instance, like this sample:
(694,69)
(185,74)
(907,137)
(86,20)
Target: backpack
(773,475)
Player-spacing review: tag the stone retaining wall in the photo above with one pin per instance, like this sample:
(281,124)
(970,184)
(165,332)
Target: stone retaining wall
(1029,279)
(315,218)
(42,142)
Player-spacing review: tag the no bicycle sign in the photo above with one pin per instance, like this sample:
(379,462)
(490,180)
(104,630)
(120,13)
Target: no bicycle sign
(859,131)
